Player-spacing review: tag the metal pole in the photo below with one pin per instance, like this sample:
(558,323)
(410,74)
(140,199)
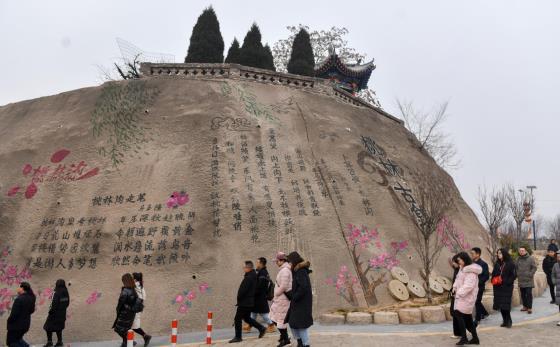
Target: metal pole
(534,235)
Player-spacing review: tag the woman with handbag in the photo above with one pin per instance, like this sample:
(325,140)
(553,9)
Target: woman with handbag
(503,277)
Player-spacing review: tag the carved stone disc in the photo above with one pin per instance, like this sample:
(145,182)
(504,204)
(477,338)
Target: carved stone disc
(398,290)
(416,289)
(436,287)
(445,282)
(400,274)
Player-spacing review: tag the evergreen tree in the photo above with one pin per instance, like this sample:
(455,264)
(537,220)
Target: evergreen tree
(207,44)
(233,52)
(252,52)
(302,61)
(269,58)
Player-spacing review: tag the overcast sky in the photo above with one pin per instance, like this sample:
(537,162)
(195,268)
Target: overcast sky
(497,62)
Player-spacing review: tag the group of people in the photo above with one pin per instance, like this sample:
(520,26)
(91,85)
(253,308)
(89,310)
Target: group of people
(469,281)
(285,302)
(23,307)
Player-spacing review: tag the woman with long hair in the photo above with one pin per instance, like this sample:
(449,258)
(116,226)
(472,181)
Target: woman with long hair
(465,289)
(503,277)
(300,315)
(125,312)
(455,266)
(56,320)
(141,292)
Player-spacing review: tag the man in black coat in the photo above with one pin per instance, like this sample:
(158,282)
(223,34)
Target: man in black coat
(261,295)
(246,302)
(484,276)
(552,246)
(547,265)
(19,321)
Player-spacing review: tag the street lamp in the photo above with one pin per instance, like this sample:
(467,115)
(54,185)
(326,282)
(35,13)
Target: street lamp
(532,212)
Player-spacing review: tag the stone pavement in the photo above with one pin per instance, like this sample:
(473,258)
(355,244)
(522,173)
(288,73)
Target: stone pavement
(529,330)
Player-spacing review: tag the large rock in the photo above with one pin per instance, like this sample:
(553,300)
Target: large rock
(332,319)
(410,316)
(359,318)
(516,297)
(447,310)
(270,162)
(432,314)
(488,302)
(386,317)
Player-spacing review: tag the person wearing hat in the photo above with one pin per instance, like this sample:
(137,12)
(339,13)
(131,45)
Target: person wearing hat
(280,302)
(19,321)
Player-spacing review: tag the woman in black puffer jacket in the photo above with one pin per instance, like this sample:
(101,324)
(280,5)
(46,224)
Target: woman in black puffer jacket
(56,320)
(125,313)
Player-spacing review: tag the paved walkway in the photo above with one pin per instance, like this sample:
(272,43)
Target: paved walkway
(528,329)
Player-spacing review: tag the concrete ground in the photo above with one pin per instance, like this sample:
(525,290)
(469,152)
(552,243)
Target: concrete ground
(538,329)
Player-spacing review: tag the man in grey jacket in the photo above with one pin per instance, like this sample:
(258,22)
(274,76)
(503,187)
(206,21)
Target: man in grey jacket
(526,268)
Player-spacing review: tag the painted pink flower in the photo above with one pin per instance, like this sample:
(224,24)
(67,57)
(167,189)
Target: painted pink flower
(13,191)
(27,169)
(182,199)
(344,268)
(183,309)
(30,191)
(179,299)
(172,202)
(203,287)
(191,295)
(59,156)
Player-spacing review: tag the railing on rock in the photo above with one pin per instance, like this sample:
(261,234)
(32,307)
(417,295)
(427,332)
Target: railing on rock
(245,73)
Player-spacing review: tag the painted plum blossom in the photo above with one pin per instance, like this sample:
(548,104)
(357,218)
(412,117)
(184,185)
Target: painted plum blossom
(371,271)
(186,298)
(11,275)
(178,199)
(346,284)
(93,297)
(451,236)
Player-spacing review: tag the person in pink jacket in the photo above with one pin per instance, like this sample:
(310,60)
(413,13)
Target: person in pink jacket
(465,289)
(280,302)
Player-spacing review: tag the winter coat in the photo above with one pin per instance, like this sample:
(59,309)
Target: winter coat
(548,264)
(247,288)
(261,300)
(281,303)
(125,314)
(300,315)
(552,247)
(504,292)
(556,280)
(20,316)
(484,275)
(138,316)
(56,320)
(466,288)
(526,268)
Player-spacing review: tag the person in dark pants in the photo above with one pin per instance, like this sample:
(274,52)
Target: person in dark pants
(526,268)
(300,314)
(56,320)
(19,320)
(246,302)
(547,265)
(504,268)
(261,296)
(465,289)
(456,331)
(125,313)
(481,312)
(141,292)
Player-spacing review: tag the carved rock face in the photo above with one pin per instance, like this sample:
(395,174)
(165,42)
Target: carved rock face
(266,168)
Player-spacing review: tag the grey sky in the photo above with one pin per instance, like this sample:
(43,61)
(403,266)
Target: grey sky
(498,62)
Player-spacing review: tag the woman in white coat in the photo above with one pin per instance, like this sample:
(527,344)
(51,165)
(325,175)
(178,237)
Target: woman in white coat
(141,292)
(281,303)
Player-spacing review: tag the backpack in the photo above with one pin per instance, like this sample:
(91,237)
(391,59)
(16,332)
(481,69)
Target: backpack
(138,305)
(269,289)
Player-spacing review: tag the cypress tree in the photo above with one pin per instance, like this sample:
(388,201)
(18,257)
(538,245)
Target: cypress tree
(252,52)
(207,44)
(269,58)
(302,61)
(233,52)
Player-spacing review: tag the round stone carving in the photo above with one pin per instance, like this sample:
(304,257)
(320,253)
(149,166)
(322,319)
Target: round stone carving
(436,287)
(399,274)
(398,290)
(416,289)
(445,282)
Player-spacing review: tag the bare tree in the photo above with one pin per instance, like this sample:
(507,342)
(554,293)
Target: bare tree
(554,227)
(434,201)
(515,200)
(321,41)
(427,127)
(494,208)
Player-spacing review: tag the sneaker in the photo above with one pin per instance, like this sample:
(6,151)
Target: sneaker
(271,328)
(236,340)
(147,339)
(246,328)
